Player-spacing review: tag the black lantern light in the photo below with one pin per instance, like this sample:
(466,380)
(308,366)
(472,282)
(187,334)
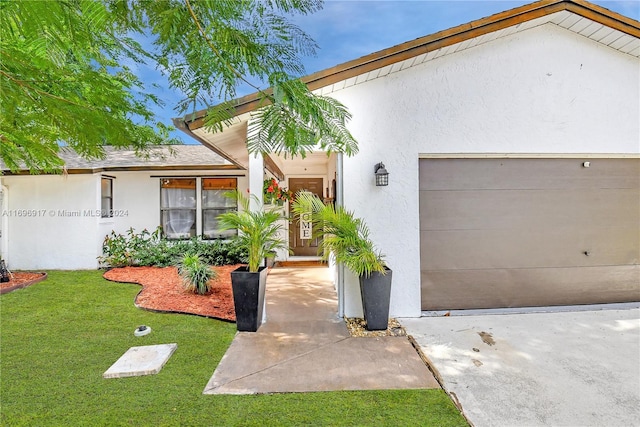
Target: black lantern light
(382,176)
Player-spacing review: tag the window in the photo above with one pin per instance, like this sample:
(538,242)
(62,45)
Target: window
(214,203)
(178,207)
(106,197)
(190,206)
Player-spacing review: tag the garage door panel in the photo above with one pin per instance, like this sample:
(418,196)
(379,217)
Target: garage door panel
(508,174)
(517,209)
(529,248)
(514,232)
(477,289)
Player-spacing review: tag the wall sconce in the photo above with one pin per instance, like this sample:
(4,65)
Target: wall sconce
(382,176)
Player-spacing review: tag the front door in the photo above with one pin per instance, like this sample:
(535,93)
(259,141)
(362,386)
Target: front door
(299,240)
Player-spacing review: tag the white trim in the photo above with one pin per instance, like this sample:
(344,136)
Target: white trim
(199,225)
(529,155)
(339,201)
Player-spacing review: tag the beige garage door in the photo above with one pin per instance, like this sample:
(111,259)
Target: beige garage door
(529,232)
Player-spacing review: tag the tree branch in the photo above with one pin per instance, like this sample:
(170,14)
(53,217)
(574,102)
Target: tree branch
(216,51)
(41,92)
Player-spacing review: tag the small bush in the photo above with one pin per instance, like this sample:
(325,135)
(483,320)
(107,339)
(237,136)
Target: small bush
(227,252)
(195,274)
(120,250)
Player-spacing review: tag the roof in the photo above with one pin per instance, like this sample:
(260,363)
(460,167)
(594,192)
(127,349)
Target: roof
(166,157)
(584,18)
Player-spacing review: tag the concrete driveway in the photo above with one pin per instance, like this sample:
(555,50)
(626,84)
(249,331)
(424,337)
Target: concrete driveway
(579,368)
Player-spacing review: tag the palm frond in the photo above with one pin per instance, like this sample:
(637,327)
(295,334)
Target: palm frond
(259,230)
(344,235)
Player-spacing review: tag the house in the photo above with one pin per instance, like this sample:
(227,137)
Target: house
(513,150)
(60,221)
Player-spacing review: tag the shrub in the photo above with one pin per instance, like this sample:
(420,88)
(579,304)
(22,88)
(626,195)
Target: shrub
(121,250)
(195,274)
(227,252)
(150,249)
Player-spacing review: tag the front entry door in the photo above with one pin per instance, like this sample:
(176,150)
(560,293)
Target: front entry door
(300,245)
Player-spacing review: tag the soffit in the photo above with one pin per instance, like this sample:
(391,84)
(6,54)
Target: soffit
(317,160)
(231,143)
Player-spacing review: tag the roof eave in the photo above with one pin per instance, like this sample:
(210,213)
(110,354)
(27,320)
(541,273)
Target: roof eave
(183,125)
(429,43)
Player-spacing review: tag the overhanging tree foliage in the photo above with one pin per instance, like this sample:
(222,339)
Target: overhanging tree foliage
(67,75)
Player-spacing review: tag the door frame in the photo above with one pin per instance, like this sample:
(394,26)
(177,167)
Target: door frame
(292,223)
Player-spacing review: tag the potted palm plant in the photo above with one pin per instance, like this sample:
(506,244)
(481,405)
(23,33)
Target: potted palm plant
(259,233)
(348,239)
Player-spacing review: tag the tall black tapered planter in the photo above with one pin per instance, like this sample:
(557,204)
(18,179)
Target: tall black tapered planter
(376,293)
(248,297)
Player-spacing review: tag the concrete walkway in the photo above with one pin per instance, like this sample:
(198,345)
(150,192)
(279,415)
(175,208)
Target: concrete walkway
(304,347)
(552,369)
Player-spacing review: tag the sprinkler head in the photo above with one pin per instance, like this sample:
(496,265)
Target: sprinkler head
(142,330)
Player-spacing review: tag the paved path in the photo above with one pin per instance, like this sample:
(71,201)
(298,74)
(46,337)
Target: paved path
(304,347)
(551,369)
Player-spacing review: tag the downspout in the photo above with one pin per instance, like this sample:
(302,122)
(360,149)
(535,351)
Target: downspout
(340,202)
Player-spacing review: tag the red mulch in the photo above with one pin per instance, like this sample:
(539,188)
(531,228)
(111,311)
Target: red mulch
(21,280)
(162,291)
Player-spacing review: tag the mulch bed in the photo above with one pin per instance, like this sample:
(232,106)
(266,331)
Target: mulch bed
(21,280)
(162,291)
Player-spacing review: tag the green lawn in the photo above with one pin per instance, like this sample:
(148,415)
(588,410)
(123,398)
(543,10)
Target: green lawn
(60,335)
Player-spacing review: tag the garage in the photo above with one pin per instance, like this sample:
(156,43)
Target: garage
(523,232)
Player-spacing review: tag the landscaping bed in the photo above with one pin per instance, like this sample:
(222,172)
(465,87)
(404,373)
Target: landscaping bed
(21,280)
(162,291)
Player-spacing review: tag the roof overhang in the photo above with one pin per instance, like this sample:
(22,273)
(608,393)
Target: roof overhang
(80,171)
(598,23)
(439,40)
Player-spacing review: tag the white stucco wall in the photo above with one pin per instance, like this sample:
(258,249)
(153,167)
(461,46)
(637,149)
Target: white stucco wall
(542,91)
(47,227)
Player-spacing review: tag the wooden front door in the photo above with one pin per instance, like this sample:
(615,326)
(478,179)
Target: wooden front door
(299,243)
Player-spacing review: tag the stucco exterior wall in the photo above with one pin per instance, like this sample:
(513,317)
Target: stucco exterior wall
(544,91)
(59,228)
(46,224)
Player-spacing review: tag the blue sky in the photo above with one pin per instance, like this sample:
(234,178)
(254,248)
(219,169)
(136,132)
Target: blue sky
(349,29)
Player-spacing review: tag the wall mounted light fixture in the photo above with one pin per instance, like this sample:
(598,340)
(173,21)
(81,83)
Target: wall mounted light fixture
(382,176)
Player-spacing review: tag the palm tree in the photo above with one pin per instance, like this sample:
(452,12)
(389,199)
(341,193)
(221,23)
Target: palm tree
(259,230)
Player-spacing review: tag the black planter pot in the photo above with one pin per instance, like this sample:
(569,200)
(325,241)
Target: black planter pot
(248,297)
(376,293)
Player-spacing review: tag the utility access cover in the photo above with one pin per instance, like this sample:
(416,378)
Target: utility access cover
(143,360)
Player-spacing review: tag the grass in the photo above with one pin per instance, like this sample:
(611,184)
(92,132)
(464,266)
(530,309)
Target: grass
(57,338)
